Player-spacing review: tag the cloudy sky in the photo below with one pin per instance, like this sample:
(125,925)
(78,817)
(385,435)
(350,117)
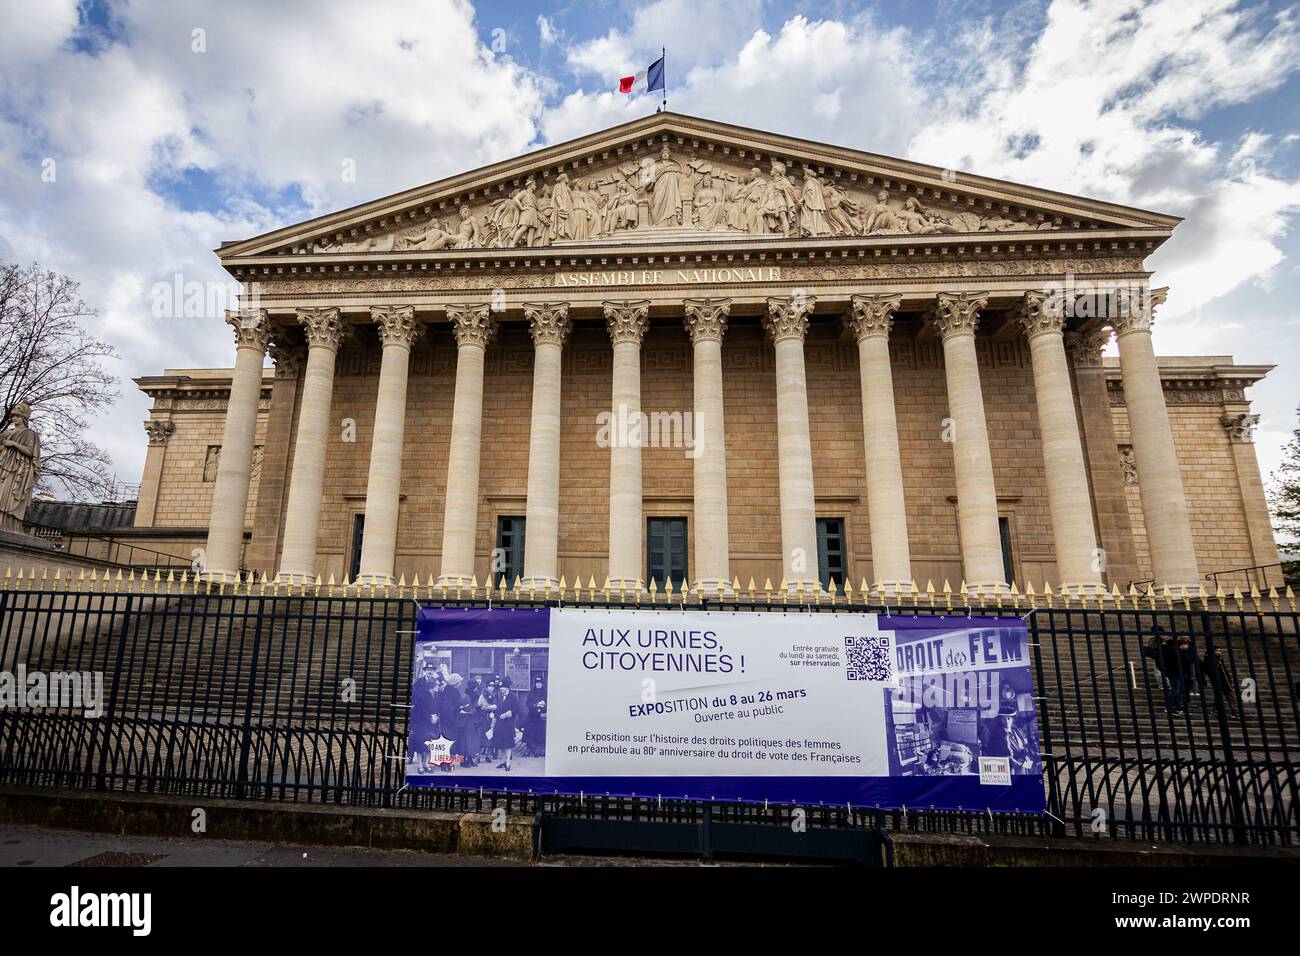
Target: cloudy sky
(173,125)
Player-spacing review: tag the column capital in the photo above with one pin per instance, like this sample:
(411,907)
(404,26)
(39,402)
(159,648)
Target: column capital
(288,360)
(957,313)
(787,316)
(159,430)
(627,321)
(252,328)
(548,322)
(1137,309)
(1240,428)
(396,324)
(472,324)
(1040,313)
(1085,348)
(706,319)
(871,315)
(324,328)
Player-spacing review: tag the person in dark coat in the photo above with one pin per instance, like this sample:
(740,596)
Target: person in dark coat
(535,723)
(473,722)
(450,702)
(1191,665)
(503,730)
(424,710)
(1219,676)
(1170,663)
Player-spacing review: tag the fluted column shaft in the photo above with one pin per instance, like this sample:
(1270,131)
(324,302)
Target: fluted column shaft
(1160,482)
(548,323)
(473,326)
(1068,496)
(957,317)
(786,322)
(706,323)
(398,331)
(325,330)
(870,320)
(234,469)
(627,323)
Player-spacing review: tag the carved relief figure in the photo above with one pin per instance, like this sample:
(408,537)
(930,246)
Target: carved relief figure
(211,463)
(20,465)
(562,202)
(812,207)
(470,233)
(780,202)
(880,216)
(527,224)
(710,211)
(661,191)
(666,195)
(841,211)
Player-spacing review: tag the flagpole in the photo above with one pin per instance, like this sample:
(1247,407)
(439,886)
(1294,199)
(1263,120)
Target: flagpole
(663,51)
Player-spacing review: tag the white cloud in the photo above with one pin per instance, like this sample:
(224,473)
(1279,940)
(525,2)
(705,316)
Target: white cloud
(268,114)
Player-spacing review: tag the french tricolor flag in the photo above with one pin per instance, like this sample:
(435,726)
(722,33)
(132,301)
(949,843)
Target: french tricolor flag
(647,81)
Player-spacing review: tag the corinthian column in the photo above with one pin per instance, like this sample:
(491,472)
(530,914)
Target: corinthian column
(627,323)
(548,323)
(230,493)
(957,317)
(1068,496)
(706,322)
(473,326)
(1160,482)
(870,320)
(787,325)
(398,331)
(325,330)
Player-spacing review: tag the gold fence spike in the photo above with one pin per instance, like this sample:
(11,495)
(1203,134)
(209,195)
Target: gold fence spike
(753,590)
(848,590)
(1290,597)
(767,589)
(735,586)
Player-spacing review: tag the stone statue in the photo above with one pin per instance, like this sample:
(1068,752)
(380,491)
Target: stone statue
(20,464)
(710,212)
(562,199)
(841,212)
(471,234)
(430,236)
(780,202)
(813,220)
(666,194)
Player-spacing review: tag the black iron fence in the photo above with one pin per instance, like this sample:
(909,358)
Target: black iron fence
(305,698)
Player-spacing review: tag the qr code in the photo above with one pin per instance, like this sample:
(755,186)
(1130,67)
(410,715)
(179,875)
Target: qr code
(869,659)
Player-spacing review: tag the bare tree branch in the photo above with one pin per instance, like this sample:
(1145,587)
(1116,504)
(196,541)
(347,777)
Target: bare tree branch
(51,361)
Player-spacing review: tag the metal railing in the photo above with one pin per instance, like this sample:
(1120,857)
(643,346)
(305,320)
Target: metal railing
(242,695)
(106,549)
(1256,576)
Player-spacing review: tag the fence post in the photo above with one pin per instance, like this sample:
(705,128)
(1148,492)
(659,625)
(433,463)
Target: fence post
(110,712)
(1239,834)
(246,738)
(1045,730)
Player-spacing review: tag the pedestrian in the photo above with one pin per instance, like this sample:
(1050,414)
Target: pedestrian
(1191,666)
(450,703)
(1220,677)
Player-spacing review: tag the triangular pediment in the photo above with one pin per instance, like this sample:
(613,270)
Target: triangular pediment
(668,178)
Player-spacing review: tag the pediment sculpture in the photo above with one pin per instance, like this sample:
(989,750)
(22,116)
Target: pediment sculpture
(665,197)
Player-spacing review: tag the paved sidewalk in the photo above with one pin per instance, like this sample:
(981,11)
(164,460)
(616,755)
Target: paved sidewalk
(37,846)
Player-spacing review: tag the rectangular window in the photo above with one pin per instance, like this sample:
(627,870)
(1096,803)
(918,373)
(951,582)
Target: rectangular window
(358,532)
(666,551)
(508,562)
(832,557)
(1008,565)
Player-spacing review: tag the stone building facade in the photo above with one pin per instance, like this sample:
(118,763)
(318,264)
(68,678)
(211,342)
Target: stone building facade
(682,349)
